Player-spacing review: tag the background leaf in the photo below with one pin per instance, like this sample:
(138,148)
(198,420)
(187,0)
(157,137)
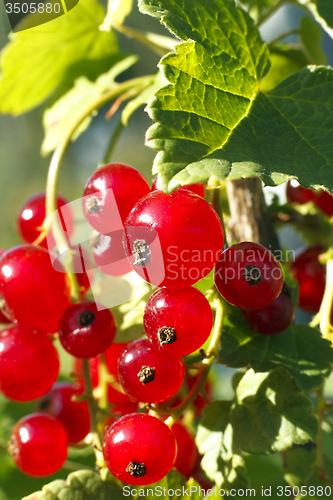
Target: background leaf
(59,119)
(300,349)
(39,60)
(118,10)
(311,39)
(322,11)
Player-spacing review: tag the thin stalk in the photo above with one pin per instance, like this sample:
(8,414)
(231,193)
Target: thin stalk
(283,35)
(93,411)
(211,354)
(74,466)
(266,15)
(54,171)
(144,38)
(113,141)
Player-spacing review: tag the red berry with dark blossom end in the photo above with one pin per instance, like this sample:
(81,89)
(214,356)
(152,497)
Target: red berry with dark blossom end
(198,188)
(248,276)
(148,375)
(74,415)
(109,254)
(275,317)
(29,363)
(298,194)
(86,329)
(32,292)
(110,194)
(311,277)
(178,322)
(186,450)
(139,449)
(38,444)
(31,217)
(173,240)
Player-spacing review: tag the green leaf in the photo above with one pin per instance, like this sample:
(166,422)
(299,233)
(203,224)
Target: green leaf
(214,441)
(322,11)
(40,59)
(213,79)
(142,98)
(118,10)
(80,485)
(300,349)
(271,414)
(285,60)
(170,483)
(60,118)
(311,39)
(212,121)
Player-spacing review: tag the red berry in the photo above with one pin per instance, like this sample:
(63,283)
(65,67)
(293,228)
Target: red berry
(298,194)
(178,322)
(186,450)
(173,240)
(200,402)
(3,319)
(31,217)
(148,375)
(86,330)
(81,266)
(111,191)
(324,201)
(33,293)
(74,415)
(109,254)
(274,318)
(29,363)
(311,277)
(248,276)
(38,444)
(198,188)
(139,449)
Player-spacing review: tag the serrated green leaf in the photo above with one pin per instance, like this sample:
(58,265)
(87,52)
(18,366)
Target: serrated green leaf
(170,483)
(214,441)
(271,414)
(142,98)
(300,349)
(40,59)
(322,11)
(213,78)
(59,119)
(285,60)
(80,485)
(311,39)
(212,120)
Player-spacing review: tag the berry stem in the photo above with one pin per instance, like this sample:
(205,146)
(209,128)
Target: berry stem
(268,13)
(54,172)
(323,318)
(93,410)
(211,354)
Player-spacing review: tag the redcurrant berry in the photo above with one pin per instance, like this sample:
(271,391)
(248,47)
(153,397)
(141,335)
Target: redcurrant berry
(38,444)
(186,450)
(3,319)
(29,363)
(148,375)
(198,188)
(298,194)
(86,330)
(173,240)
(324,201)
(32,292)
(109,254)
(139,449)
(200,402)
(178,322)
(112,189)
(311,277)
(275,317)
(248,276)
(74,415)
(31,217)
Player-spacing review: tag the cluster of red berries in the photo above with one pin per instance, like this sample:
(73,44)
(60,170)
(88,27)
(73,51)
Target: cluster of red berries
(169,240)
(299,195)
